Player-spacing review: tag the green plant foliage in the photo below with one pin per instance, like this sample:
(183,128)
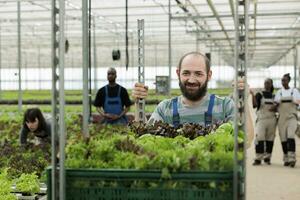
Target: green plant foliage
(119,148)
(8,197)
(5,183)
(28,184)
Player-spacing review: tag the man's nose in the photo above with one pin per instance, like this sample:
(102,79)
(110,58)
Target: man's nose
(192,78)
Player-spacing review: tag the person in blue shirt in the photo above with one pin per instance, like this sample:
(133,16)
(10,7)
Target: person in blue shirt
(112,101)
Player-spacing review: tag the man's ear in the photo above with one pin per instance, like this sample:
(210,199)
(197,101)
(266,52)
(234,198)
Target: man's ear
(209,75)
(178,72)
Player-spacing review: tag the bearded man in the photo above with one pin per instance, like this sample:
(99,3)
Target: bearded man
(195,105)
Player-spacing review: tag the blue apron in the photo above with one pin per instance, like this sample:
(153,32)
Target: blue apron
(113,105)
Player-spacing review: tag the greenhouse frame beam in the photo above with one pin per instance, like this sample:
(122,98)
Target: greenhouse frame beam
(170,45)
(0,62)
(85,68)
(257,29)
(295,65)
(257,38)
(95,55)
(191,17)
(240,95)
(58,100)
(213,9)
(140,106)
(19,58)
(62,129)
(284,54)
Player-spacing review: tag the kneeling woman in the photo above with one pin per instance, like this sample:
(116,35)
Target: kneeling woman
(34,122)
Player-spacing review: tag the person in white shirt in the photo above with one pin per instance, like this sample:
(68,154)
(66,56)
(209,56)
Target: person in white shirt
(287,100)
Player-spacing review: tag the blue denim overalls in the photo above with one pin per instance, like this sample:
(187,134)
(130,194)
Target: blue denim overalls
(113,105)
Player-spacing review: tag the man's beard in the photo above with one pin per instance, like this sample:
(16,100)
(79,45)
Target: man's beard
(194,95)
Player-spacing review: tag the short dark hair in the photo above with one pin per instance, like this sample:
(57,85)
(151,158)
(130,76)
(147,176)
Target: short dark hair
(31,114)
(272,86)
(111,69)
(287,76)
(195,53)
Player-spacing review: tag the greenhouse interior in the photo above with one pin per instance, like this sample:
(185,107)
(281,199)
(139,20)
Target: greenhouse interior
(149,99)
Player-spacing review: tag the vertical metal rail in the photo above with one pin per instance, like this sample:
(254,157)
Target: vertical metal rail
(58,100)
(241,61)
(19,58)
(169,46)
(39,67)
(141,70)
(62,130)
(0,62)
(132,49)
(85,62)
(197,41)
(298,65)
(95,55)
(90,59)
(295,65)
(54,101)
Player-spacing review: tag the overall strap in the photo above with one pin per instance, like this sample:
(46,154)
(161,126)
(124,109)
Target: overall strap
(106,90)
(119,91)
(176,118)
(208,114)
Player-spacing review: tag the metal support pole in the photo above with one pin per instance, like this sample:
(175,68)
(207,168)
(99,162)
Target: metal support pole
(54,101)
(39,67)
(95,56)
(85,62)
(132,49)
(197,42)
(297,46)
(62,131)
(19,58)
(241,59)
(295,65)
(58,101)
(0,63)
(170,50)
(141,70)
(90,59)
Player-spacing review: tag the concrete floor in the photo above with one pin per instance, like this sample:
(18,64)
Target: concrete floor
(273,182)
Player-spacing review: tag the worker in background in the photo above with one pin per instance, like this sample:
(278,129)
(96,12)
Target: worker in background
(112,101)
(34,122)
(287,100)
(195,105)
(266,122)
